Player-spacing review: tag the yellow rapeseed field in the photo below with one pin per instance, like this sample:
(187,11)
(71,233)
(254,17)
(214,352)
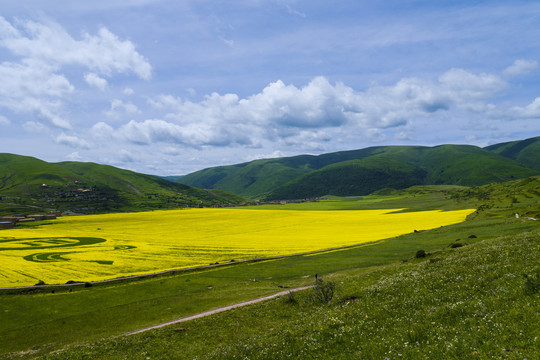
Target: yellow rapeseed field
(98,247)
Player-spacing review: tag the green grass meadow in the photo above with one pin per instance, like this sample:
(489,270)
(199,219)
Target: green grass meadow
(475,295)
(466,303)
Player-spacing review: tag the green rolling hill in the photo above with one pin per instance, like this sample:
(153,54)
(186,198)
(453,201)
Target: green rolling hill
(526,152)
(28,184)
(360,172)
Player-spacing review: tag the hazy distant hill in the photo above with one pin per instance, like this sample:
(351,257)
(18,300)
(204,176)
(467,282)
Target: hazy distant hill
(359,172)
(29,184)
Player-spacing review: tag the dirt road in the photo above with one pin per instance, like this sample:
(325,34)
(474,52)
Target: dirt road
(218,310)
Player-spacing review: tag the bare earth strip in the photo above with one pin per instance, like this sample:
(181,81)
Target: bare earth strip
(221,309)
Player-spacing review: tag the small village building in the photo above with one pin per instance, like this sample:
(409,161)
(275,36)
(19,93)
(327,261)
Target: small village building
(36,217)
(7,225)
(12,219)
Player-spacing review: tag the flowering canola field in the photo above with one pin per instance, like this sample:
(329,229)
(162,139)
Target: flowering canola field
(99,247)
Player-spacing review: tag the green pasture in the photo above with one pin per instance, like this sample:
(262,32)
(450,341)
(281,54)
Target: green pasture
(476,302)
(41,321)
(416,198)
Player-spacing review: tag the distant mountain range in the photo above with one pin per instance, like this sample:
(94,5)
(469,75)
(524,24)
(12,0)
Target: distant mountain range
(360,172)
(28,185)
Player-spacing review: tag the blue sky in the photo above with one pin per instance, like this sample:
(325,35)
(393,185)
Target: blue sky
(170,87)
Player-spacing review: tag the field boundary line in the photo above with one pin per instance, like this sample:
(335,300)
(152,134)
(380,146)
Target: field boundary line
(219,310)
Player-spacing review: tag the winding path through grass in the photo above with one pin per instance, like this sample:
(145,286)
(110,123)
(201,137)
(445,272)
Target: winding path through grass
(221,309)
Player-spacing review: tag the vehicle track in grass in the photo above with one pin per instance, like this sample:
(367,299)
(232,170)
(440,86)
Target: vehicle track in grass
(218,310)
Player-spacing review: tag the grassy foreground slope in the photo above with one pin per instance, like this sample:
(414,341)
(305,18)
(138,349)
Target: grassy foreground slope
(479,301)
(468,298)
(28,185)
(360,172)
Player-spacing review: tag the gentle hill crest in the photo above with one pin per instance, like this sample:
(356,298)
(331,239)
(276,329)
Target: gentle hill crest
(523,151)
(360,172)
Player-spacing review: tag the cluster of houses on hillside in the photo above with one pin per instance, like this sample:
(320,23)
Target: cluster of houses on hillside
(9,222)
(75,193)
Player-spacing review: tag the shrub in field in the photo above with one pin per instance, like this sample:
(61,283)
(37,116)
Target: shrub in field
(420,254)
(532,283)
(323,292)
(456,245)
(291,298)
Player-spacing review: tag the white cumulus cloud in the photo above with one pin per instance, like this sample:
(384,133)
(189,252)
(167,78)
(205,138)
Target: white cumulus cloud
(119,107)
(521,67)
(193,135)
(530,111)
(166,102)
(50,42)
(466,88)
(33,126)
(95,81)
(35,85)
(102,131)
(304,115)
(72,141)
(74,156)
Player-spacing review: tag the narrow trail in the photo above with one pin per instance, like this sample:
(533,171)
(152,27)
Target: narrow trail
(221,309)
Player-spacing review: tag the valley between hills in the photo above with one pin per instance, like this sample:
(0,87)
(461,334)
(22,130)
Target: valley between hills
(466,289)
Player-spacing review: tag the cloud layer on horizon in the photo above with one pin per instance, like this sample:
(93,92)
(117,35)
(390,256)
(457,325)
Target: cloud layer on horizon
(284,113)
